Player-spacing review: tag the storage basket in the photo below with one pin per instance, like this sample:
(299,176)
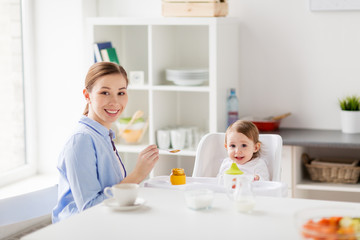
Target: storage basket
(199,8)
(332,170)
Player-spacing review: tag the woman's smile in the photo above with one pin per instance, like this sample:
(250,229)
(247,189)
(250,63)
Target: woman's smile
(112,111)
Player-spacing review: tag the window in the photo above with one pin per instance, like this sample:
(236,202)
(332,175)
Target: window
(12,104)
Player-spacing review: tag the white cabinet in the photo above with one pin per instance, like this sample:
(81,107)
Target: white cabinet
(303,187)
(287,168)
(152,45)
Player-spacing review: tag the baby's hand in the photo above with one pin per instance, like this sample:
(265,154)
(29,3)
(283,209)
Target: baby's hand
(256,178)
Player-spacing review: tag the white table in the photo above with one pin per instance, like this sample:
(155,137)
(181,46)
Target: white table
(165,216)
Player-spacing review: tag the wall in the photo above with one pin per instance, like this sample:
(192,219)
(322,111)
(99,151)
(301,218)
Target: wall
(291,59)
(59,74)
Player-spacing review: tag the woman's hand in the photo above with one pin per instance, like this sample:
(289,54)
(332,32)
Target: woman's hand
(145,163)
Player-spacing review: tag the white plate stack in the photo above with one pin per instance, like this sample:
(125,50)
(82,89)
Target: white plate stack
(187,77)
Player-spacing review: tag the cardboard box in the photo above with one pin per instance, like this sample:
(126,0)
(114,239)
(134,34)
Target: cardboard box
(170,8)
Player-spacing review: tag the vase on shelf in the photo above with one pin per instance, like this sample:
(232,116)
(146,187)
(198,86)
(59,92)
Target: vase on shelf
(350,121)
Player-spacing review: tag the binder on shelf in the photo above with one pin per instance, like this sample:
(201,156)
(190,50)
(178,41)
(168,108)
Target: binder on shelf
(97,50)
(109,55)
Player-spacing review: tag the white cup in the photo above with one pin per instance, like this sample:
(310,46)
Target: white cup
(124,193)
(163,139)
(178,138)
(189,142)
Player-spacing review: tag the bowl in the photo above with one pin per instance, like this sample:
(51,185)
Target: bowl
(199,199)
(328,223)
(267,125)
(132,133)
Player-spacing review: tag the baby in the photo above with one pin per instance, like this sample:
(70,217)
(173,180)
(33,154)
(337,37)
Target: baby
(243,147)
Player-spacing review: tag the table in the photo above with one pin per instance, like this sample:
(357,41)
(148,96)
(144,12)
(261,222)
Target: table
(165,216)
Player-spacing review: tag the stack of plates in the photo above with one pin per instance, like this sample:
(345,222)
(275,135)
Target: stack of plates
(187,77)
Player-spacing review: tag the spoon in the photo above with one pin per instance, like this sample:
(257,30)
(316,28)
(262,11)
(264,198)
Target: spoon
(138,114)
(174,150)
(275,118)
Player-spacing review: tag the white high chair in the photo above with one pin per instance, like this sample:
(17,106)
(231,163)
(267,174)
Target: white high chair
(211,152)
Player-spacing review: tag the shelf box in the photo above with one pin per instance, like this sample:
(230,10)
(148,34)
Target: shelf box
(192,9)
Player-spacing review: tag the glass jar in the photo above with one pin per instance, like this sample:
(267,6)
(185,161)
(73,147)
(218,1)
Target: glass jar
(177,176)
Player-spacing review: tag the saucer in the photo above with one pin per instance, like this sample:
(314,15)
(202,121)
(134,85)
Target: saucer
(111,202)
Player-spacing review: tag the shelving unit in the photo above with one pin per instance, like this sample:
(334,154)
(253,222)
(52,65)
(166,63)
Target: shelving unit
(155,44)
(318,143)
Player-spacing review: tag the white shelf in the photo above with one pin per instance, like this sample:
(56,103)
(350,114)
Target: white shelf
(130,148)
(319,186)
(182,88)
(153,45)
(185,152)
(139,148)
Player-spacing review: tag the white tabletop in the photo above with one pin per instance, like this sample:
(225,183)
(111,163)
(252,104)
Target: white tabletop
(165,216)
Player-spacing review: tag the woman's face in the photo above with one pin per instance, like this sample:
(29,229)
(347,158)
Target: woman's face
(107,99)
(240,148)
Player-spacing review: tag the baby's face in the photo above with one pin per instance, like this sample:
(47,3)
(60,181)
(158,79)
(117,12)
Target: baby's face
(240,148)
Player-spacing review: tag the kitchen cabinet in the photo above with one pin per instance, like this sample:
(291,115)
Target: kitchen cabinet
(152,45)
(318,144)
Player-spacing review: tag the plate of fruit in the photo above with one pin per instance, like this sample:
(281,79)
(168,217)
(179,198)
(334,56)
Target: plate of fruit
(329,223)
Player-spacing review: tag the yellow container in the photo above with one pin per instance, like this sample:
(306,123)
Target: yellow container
(177,176)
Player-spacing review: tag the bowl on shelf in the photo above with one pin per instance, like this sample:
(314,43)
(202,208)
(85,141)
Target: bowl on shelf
(133,133)
(328,223)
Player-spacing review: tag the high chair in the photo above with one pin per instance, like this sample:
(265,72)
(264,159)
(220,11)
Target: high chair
(211,152)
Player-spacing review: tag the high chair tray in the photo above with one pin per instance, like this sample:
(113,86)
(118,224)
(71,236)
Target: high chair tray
(260,188)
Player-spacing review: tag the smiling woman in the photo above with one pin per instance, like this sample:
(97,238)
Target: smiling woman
(90,161)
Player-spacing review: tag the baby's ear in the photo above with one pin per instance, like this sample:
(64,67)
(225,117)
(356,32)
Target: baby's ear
(257,147)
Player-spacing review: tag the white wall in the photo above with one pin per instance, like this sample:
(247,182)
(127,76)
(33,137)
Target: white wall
(59,73)
(291,59)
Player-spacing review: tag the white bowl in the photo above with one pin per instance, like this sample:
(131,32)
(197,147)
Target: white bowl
(199,199)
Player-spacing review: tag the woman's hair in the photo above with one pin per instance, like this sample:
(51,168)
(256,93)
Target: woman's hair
(248,129)
(99,70)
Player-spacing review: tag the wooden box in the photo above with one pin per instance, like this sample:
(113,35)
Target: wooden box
(194,8)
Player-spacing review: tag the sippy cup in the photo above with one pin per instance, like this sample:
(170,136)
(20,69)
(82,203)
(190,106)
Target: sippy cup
(231,175)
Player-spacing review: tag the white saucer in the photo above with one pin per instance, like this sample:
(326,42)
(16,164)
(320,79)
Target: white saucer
(111,202)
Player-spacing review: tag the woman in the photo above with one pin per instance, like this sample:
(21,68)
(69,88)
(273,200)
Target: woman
(89,161)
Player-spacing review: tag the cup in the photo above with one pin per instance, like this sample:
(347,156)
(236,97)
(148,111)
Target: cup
(243,195)
(189,141)
(163,139)
(230,180)
(124,193)
(178,138)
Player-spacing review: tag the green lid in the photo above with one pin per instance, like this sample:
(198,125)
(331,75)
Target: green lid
(127,120)
(234,170)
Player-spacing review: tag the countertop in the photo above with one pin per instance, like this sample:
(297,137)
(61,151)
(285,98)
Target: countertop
(318,138)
